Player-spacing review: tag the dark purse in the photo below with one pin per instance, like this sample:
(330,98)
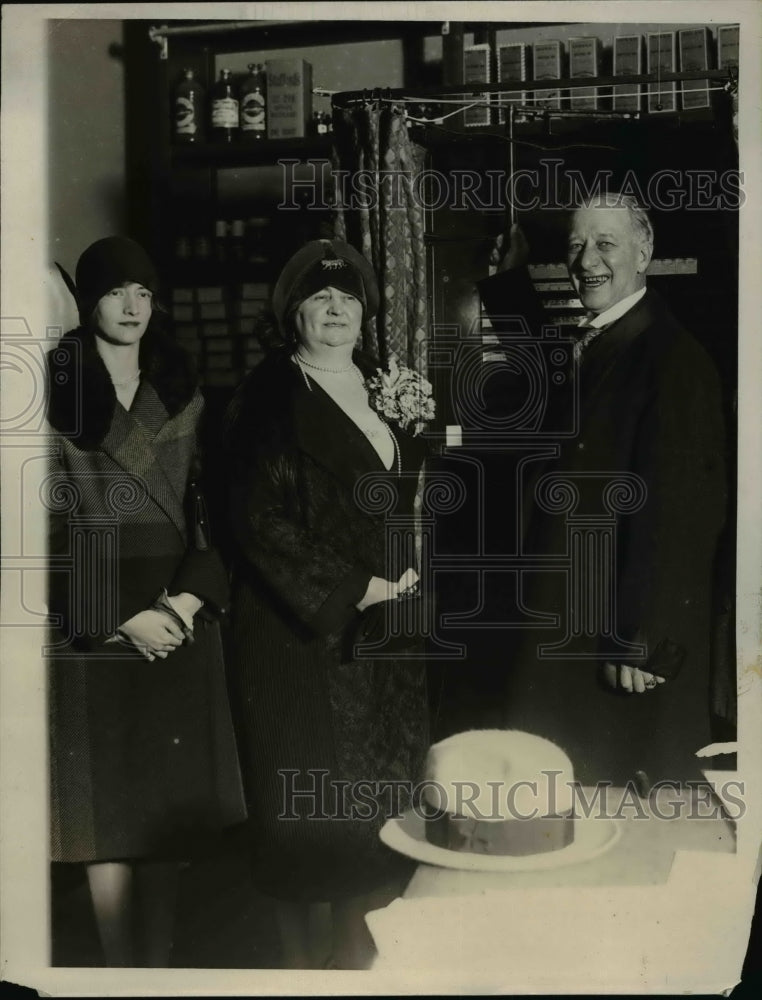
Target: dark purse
(394,627)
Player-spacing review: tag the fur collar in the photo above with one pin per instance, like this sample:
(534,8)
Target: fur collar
(81,397)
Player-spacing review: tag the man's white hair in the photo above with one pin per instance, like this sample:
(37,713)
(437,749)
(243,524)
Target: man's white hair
(638,213)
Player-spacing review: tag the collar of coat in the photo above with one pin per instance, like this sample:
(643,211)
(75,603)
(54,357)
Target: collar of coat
(274,412)
(82,398)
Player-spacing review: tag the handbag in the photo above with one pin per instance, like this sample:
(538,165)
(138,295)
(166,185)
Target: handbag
(393,627)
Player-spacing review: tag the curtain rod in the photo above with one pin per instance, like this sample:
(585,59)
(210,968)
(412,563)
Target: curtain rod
(155,34)
(475,90)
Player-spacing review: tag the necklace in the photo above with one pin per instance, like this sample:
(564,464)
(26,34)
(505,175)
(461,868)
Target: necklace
(368,433)
(127,381)
(397,455)
(320,368)
(301,362)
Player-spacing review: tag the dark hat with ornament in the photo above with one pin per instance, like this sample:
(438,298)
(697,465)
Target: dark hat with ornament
(323,264)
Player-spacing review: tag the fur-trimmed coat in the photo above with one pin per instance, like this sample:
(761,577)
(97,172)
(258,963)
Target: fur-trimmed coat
(143,754)
(310,714)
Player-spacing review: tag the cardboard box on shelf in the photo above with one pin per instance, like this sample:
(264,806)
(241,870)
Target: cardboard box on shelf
(183,313)
(215,329)
(212,310)
(210,293)
(255,290)
(628,61)
(248,307)
(289,98)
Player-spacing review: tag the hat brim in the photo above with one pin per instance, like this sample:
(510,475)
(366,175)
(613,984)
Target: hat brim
(406,834)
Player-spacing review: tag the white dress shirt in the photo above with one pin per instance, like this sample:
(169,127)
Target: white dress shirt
(607,317)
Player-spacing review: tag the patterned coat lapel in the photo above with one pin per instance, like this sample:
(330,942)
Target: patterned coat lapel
(157,452)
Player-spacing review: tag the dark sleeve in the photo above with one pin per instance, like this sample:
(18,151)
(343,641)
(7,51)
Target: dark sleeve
(203,574)
(302,570)
(202,571)
(670,543)
(510,300)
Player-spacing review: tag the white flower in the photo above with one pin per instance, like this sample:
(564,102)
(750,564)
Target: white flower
(402,395)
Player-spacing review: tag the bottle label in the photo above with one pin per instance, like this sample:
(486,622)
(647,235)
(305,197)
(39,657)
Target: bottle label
(253,113)
(185,116)
(225,113)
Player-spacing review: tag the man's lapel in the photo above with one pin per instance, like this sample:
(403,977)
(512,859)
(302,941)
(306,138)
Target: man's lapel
(602,356)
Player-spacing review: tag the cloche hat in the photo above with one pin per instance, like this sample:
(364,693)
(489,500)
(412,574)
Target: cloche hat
(317,265)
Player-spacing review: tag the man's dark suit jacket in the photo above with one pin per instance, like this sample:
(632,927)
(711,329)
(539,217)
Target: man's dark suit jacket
(650,404)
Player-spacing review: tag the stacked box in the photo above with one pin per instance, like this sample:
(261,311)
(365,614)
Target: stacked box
(662,97)
(727,46)
(289,98)
(628,61)
(547,66)
(216,323)
(476,69)
(583,62)
(512,68)
(694,55)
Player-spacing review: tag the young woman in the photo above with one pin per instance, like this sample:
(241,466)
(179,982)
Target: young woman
(143,758)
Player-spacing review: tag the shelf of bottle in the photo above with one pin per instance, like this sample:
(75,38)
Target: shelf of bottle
(254,152)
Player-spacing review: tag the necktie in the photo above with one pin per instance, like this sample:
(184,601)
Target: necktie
(588,336)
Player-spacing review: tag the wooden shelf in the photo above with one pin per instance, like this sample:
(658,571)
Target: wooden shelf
(255,153)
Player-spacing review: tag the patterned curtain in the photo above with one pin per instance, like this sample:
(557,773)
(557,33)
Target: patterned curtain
(379,212)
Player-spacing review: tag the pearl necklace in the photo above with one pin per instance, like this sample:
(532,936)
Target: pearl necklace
(127,381)
(319,368)
(300,361)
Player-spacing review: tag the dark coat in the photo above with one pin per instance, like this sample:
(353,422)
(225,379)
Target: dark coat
(143,755)
(307,552)
(649,404)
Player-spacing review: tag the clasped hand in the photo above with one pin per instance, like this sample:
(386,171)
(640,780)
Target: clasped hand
(154,632)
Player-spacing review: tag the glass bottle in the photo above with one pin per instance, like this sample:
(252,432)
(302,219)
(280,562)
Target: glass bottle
(224,108)
(237,230)
(221,241)
(253,101)
(187,109)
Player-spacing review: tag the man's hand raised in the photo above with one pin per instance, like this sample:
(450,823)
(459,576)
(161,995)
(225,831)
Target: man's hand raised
(510,249)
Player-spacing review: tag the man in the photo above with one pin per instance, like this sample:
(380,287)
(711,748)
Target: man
(632,697)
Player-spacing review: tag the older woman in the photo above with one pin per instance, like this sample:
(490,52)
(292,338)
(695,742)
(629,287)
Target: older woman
(143,755)
(302,433)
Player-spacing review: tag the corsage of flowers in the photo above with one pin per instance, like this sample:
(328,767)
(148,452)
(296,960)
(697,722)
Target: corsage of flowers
(402,395)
